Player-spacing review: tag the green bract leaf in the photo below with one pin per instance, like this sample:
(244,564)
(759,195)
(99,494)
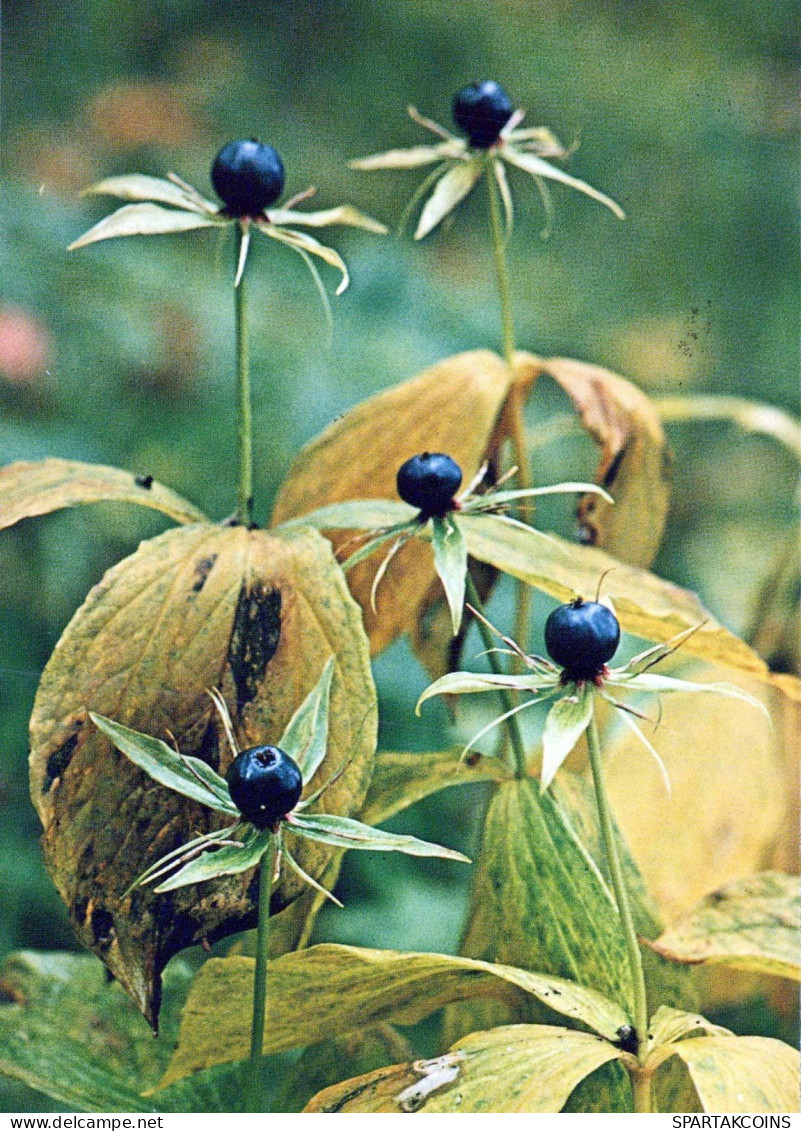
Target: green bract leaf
(537,167)
(665,684)
(413,158)
(496,497)
(306,734)
(352,988)
(184,774)
(450,561)
(750,924)
(145,220)
(229,860)
(566,722)
(740,1074)
(451,188)
(344,214)
(42,486)
(344,832)
(299,241)
(136,186)
(465,683)
(670,1025)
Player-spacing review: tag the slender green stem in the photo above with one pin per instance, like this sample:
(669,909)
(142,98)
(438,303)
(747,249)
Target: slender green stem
(501,269)
(260,980)
(641,1087)
(244,422)
(621,895)
(512,724)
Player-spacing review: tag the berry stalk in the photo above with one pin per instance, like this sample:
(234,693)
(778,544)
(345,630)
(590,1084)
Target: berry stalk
(641,1090)
(501,267)
(244,425)
(254,1078)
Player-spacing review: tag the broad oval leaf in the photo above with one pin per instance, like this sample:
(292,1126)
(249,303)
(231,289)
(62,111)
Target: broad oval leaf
(353,988)
(255,615)
(750,924)
(635,460)
(645,604)
(452,187)
(42,486)
(145,220)
(451,407)
(740,1074)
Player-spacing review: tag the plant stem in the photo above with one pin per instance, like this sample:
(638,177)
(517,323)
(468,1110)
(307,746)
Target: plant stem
(501,268)
(254,1078)
(621,897)
(512,724)
(641,1087)
(244,421)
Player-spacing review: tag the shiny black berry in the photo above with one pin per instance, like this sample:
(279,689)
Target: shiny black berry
(482,110)
(582,637)
(429,481)
(265,784)
(248,177)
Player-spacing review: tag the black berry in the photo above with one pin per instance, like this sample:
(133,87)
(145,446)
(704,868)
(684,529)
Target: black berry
(627,1039)
(429,481)
(482,110)
(581,637)
(265,784)
(248,177)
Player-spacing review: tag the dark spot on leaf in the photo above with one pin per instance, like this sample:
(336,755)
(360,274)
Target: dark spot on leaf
(58,762)
(202,570)
(10,995)
(80,909)
(586,535)
(102,923)
(254,639)
(145,481)
(473,758)
(614,467)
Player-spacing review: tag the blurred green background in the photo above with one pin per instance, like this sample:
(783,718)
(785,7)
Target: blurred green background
(122,353)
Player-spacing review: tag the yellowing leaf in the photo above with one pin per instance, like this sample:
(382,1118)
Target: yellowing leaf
(451,407)
(741,1074)
(751,924)
(203,606)
(42,486)
(351,989)
(451,188)
(635,460)
(145,220)
(515,1068)
(343,214)
(136,186)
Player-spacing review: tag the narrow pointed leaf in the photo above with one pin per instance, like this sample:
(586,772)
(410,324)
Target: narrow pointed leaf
(566,722)
(750,924)
(360,514)
(368,548)
(39,487)
(466,683)
(665,684)
(186,775)
(144,220)
(138,187)
(450,561)
(229,860)
(501,180)
(353,988)
(344,832)
(532,492)
(306,734)
(412,158)
(344,214)
(299,241)
(307,879)
(740,1074)
(538,167)
(452,188)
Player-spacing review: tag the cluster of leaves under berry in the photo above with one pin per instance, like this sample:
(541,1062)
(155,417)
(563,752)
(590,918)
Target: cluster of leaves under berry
(542,1003)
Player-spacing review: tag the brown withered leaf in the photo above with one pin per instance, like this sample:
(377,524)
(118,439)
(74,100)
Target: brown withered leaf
(198,607)
(451,407)
(41,486)
(635,460)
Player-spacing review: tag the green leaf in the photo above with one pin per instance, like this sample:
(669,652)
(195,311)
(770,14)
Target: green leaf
(644,604)
(344,832)
(740,1074)
(670,1025)
(412,158)
(538,167)
(136,186)
(361,514)
(450,562)
(566,722)
(42,486)
(353,988)
(467,683)
(750,924)
(343,214)
(665,684)
(306,734)
(229,860)
(184,774)
(451,188)
(145,220)
(496,497)
(399,778)
(299,241)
